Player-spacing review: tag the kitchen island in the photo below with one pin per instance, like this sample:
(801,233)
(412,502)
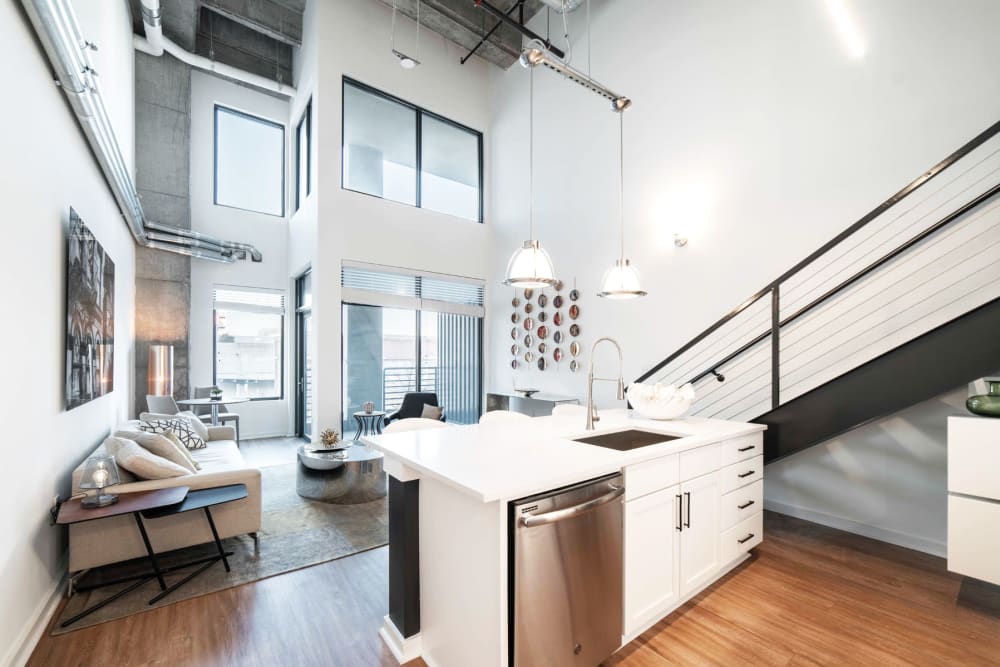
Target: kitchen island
(690,511)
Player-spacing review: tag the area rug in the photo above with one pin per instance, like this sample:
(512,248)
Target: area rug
(296,533)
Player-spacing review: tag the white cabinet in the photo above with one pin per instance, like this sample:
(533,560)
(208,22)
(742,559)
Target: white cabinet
(699,541)
(652,525)
(974,497)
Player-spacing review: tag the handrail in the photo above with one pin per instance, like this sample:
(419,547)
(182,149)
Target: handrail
(772,287)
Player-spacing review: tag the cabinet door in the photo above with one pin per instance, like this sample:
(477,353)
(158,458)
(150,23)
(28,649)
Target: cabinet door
(651,537)
(699,541)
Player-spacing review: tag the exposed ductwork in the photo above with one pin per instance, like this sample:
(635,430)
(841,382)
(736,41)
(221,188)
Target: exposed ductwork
(155,44)
(55,23)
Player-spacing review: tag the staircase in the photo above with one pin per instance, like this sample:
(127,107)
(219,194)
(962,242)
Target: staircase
(900,307)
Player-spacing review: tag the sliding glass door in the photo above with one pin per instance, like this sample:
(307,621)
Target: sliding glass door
(389,352)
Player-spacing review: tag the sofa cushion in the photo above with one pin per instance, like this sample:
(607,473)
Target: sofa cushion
(179,426)
(219,455)
(169,435)
(196,423)
(141,462)
(160,445)
(431,412)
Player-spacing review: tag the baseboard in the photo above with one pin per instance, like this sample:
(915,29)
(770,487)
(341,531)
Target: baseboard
(915,542)
(33,630)
(403,649)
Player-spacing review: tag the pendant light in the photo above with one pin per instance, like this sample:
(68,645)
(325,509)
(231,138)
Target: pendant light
(621,281)
(405,61)
(530,265)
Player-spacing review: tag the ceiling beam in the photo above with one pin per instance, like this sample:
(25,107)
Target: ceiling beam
(267,17)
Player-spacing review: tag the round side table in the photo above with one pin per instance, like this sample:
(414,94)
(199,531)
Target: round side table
(369,423)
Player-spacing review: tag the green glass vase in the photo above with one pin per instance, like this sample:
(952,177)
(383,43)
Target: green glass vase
(987,405)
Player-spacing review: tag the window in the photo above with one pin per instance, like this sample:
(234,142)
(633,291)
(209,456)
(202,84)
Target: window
(303,165)
(407,331)
(249,162)
(249,342)
(398,151)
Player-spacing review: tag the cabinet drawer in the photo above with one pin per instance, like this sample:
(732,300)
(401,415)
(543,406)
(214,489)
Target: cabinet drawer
(741,474)
(645,478)
(742,537)
(699,461)
(974,456)
(973,538)
(740,449)
(741,503)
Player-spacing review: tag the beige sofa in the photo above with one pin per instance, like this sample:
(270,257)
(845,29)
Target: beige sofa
(114,539)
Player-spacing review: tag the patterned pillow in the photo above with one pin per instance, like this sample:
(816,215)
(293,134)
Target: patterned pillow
(180,427)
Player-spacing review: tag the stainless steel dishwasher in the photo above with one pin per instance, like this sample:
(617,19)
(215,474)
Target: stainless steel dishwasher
(566,598)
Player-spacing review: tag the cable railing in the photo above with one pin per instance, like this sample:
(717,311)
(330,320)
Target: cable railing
(401,380)
(926,256)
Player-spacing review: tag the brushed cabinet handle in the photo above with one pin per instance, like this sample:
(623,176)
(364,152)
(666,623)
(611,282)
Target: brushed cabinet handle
(746,539)
(747,473)
(687,523)
(680,511)
(747,448)
(745,505)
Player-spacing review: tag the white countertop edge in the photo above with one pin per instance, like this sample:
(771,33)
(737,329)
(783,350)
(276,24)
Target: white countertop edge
(614,461)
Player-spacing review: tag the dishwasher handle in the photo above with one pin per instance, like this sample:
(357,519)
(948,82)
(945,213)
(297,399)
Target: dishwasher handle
(570,512)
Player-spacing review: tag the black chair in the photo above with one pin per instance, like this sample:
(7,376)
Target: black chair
(413,406)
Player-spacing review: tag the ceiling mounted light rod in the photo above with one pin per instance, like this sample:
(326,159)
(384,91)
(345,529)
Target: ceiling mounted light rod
(537,53)
(531,35)
(530,265)
(621,281)
(404,60)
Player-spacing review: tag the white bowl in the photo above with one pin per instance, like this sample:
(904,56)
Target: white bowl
(670,406)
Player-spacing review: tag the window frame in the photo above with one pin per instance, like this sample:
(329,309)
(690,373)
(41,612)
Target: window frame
(305,120)
(215,352)
(215,154)
(420,112)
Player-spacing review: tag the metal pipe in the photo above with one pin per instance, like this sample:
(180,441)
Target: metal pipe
(68,52)
(532,56)
(520,28)
(516,5)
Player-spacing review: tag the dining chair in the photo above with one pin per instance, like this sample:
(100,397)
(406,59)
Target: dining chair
(204,412)
(163,405)
(413,424)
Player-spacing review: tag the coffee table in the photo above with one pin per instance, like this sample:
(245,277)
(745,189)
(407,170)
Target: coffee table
(346,477)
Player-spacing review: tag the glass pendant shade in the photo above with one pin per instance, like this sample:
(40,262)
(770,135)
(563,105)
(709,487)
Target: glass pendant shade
(530,266)
(621,281)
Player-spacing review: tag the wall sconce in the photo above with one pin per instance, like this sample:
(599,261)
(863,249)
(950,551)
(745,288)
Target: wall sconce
(680,240)
(160,374)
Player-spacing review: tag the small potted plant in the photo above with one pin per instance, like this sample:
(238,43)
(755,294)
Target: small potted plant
(215,394)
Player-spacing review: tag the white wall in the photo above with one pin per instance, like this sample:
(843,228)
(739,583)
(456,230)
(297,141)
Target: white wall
(887,479)
(54,170)
(356,226)
(268,233)
(752,128)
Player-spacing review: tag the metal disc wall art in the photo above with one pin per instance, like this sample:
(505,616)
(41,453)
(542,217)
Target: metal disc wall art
(542,364)
(557,337)
(514,333)
(542,316)
(528,340)
(543,332)
(558,285)
(513,364)
(515,302)
(574,294)
(574,330)
(573,366)
(574,311)
(557,353)
(558,301)
(528,356)
(574,348)
(515,350)
(528,308)
(541,348)
(515,317)
(528,292)
(557,319)
(529,324)
(542,300)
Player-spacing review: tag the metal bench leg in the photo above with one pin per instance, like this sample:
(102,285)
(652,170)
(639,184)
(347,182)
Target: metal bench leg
(218,542)
(149,551)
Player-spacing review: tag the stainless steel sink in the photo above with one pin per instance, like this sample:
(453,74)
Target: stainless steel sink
(632,438)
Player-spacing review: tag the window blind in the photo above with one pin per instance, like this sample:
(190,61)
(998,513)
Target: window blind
(372,285)
(249,299)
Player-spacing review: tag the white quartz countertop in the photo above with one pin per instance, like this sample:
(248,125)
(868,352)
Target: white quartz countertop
(509,460)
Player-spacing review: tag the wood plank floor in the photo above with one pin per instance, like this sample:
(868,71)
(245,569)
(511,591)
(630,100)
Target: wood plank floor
(810,596)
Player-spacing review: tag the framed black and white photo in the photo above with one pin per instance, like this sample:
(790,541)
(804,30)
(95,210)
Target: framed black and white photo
(90,316)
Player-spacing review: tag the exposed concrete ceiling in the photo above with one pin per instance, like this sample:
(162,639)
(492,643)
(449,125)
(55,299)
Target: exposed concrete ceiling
(465,24)
(254,35)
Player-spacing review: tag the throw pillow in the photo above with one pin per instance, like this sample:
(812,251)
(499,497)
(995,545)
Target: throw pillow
(199,426)
(432,412)
(160,445)
(180,426)
(140,462)
(182,449)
